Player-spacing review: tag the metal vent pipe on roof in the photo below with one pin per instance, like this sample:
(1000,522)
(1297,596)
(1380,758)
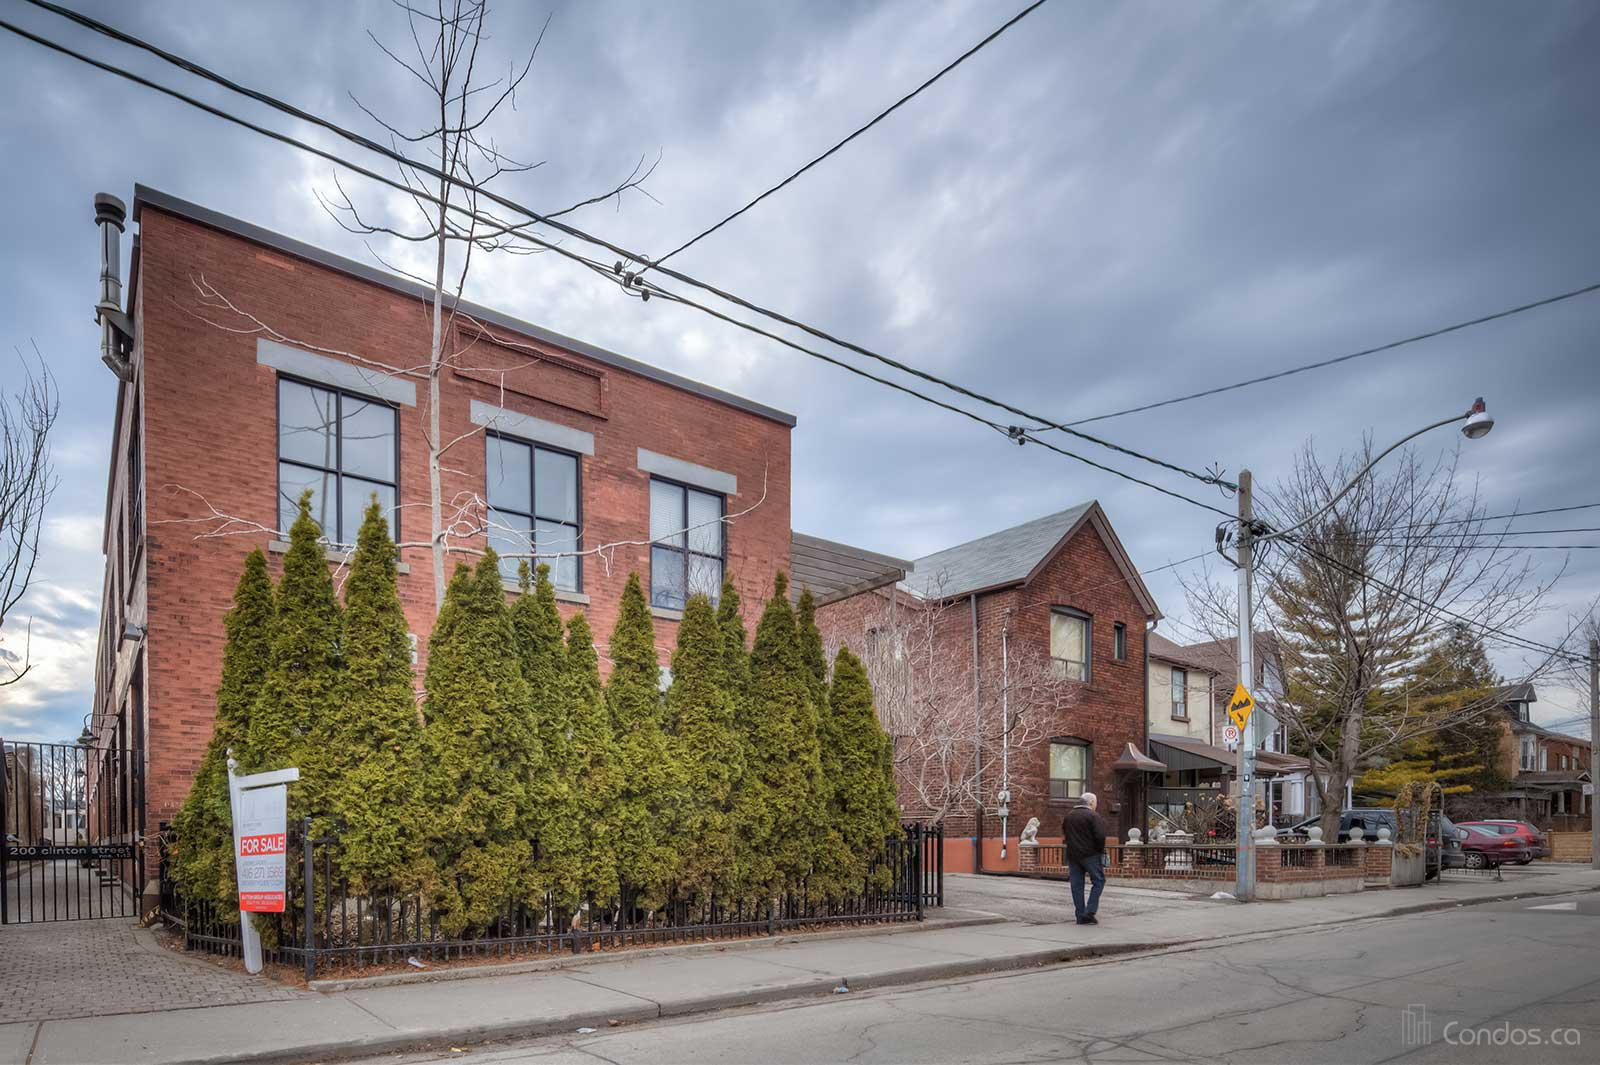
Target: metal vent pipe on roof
(110,214)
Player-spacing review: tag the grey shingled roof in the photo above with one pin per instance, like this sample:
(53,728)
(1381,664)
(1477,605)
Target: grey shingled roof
(1000,558)
(1168,651)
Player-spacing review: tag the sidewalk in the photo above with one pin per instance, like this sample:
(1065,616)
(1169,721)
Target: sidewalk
(593,992)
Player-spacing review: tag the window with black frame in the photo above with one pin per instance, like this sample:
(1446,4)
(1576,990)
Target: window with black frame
(687,546)
(535,505)
(1070,643)
(343,447)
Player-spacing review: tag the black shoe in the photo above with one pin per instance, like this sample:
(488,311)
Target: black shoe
(1083,920)
(1090,920)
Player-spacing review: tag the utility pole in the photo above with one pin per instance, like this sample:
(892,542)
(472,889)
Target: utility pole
(1245,812)
(1594,736)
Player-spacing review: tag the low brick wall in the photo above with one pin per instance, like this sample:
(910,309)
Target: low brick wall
(1569,847)
(1284,871)
(1379,863)
(1293,871)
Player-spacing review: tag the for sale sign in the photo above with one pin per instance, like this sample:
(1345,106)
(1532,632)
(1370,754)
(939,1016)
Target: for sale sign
(259,855)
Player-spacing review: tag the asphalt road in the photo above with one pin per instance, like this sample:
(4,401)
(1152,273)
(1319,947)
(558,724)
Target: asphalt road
(1509,982)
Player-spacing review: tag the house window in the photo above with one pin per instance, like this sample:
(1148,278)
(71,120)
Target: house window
(1528,747)
(1544,759)
(1069,769)
(1119,641)
(1180,694)
(686,544)
(1278,743)
(1069,642)
(343,447)
(535,504)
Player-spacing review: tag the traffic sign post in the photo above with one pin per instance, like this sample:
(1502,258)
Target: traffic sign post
(1240,706)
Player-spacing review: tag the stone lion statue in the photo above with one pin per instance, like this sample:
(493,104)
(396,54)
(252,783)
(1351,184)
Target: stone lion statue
(1030,832)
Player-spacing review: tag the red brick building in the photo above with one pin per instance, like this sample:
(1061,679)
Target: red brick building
(566,447)
(1043,626)
(1545,771)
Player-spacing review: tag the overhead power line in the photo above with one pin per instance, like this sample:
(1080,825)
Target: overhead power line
(628,277)
(588,262)
(1320,364)
(1505,517)
(879,117)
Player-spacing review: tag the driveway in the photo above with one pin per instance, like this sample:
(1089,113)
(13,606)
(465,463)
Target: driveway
(54,970)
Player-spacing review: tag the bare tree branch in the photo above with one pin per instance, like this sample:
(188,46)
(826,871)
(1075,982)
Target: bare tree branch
(27,481)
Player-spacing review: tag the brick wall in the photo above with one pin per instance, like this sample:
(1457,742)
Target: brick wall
(1109,710)
(210,425)
(1569,846)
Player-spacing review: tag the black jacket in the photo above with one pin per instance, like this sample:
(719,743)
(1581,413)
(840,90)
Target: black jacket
(1084,833)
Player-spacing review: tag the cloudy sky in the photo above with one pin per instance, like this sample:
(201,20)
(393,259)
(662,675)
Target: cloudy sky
(1112,204)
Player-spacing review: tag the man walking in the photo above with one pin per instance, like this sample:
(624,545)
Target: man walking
(1083,831)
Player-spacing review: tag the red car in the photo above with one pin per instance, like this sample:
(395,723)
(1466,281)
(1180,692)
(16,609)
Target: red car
(1484,848)
(1536,842)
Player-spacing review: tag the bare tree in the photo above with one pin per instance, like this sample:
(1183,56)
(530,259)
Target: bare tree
(1573,672)
(446,215)
(26,482)
(949,741)
(1357,598)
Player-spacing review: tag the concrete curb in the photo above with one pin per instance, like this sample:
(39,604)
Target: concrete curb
(407,1042)
(805,985)
(580,962)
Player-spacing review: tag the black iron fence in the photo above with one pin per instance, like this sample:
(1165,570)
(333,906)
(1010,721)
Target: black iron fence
(73,843)
(326,925)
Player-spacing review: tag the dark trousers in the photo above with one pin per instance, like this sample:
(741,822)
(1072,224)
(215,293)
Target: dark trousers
(1094,868)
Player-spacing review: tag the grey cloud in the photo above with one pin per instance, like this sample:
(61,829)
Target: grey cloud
(1109,205)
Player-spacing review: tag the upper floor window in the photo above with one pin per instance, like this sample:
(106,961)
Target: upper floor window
(1119,641)
(345,448)
(1278,739)
(535,505)
(1069,769)
(687,547)
(1544,759)
(1529,749)
(1070,642)
(1180,694)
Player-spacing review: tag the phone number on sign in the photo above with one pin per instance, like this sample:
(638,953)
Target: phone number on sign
(272,843)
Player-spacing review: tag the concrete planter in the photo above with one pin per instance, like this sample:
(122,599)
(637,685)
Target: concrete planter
(1409,870)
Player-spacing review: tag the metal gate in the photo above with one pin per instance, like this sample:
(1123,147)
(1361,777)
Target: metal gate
(74,832)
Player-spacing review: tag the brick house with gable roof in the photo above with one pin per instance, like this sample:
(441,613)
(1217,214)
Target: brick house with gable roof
(1061,588)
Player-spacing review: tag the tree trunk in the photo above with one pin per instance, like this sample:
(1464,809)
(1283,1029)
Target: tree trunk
(435,441)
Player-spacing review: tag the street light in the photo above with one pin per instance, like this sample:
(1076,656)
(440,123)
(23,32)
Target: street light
(1477,424)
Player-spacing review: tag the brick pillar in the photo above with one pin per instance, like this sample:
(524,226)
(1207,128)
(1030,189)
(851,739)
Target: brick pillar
(1028,857)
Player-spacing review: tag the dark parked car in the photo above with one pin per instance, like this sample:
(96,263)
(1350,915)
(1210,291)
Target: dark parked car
(1484,848)
(1537,842)
(1370,818)
(1451,854)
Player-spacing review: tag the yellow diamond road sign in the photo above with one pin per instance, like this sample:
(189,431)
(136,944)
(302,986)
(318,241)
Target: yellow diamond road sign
(1240,706)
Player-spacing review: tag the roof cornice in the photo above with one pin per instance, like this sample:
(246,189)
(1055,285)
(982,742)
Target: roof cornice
(144,196)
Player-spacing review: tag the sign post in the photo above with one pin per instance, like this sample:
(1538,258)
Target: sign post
(259,804)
